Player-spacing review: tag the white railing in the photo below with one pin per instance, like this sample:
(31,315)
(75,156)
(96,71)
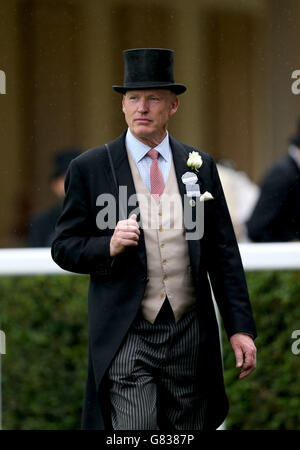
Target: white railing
(37,261)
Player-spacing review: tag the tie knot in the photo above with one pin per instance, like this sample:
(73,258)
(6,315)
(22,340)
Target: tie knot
(153,153)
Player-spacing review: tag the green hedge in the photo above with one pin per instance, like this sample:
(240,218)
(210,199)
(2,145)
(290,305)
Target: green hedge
(270,397)
(44,370)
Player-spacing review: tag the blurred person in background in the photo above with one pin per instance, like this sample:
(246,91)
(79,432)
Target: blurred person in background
(42,225)
(276,216)
(241,195)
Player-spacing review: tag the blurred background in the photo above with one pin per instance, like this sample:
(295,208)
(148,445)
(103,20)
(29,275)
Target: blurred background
(60,58)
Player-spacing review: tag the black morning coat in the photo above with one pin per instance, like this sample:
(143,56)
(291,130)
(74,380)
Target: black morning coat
(117,285)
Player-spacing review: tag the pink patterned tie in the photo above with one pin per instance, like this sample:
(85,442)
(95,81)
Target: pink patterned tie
(156,178)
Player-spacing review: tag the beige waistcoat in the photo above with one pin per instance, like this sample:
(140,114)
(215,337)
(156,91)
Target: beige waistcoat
(168,260)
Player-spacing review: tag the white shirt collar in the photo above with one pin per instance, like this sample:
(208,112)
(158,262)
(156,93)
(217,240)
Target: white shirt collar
(138,149)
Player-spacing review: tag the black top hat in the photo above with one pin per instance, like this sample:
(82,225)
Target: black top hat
(62,160)
(149,68)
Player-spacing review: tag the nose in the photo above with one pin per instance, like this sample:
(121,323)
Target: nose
(143,105)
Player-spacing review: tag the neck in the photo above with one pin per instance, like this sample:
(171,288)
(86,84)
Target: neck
(149,141)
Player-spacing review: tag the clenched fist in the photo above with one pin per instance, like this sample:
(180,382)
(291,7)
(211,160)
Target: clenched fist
(126,234)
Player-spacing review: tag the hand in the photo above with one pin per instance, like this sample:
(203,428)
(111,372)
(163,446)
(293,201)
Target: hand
(126,234)
(245,353)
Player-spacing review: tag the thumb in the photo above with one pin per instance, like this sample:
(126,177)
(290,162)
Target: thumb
(134,216)
(238,357)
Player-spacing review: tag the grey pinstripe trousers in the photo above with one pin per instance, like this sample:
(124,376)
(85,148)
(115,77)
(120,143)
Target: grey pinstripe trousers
(154,378)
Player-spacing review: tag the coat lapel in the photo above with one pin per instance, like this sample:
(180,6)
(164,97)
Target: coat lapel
(180,157)
(123,174)
(126,189)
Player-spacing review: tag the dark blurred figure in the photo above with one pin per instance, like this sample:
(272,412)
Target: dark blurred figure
(43,223)
(276,216)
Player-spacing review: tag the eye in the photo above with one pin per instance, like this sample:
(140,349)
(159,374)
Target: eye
(131,95)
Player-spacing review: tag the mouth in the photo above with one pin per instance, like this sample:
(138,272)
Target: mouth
(142,121)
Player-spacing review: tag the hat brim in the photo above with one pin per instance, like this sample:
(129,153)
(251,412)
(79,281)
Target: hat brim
(174,87)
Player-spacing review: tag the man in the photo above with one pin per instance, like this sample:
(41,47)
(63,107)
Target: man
(41,228)
(154,350)
(276,216)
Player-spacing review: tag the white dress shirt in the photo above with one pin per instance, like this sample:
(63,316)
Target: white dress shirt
(139,151)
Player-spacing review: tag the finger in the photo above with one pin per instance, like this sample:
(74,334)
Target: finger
(130,221)
(128,227)
(250,356)
(128,242)
(249,364)
(128,235)
(245,373)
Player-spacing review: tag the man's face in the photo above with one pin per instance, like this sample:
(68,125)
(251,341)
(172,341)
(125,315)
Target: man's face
(147,113)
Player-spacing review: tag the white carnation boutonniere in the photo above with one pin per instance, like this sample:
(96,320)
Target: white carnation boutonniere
(206,196)
(194,161)
(189,179)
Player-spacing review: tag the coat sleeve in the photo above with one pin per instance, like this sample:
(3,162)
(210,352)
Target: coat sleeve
(76,248)
(224,264)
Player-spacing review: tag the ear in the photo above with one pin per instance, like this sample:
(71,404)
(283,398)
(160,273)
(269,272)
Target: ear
(123,104)
(174,105)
